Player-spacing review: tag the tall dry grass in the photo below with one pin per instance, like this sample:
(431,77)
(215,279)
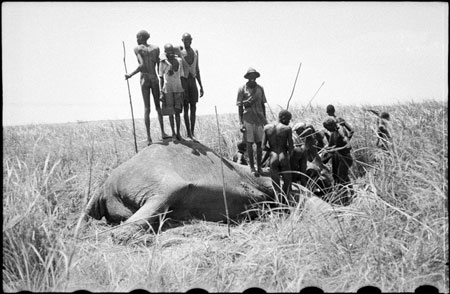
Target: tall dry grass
(394,235)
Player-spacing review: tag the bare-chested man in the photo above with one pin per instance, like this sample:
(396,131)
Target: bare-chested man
(148,58)
(384,137)
(191,74)
(279,137)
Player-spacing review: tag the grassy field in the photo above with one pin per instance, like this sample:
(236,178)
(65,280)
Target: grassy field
(393,236)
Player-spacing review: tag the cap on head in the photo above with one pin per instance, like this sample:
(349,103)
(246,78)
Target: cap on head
(284,115)
(250,71)
(186,36)
(143,34)
(330,123)
(385,115)
(330,108)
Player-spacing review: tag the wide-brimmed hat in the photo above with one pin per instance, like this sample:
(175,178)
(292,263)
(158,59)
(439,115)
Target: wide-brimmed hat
(250,71)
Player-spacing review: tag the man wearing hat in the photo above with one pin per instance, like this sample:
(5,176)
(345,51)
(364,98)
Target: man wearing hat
(279,137)
(252,116)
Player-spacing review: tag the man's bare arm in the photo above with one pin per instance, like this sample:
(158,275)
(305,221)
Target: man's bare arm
(264,141)
(241,114)
(290,142)
(140,66)
(199,80)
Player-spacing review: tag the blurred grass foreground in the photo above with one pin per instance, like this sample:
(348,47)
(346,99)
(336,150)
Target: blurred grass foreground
(393,236)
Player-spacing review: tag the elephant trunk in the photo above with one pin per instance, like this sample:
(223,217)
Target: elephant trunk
(96,207)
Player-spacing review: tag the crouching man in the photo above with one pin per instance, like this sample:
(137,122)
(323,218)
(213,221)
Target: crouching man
(315,176)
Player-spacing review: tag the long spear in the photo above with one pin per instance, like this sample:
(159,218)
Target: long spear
(223,178)
(129,94)
(298,71)
(314,95)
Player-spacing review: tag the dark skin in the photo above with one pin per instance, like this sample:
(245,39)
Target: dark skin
(279,138)
(344,123)
(148,59)
(190,108)
(252,79)
(383,134)
(303,154)
(170,53)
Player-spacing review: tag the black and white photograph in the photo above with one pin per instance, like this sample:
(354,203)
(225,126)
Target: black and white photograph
(256,146)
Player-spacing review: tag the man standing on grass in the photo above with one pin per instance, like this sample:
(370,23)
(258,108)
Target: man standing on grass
(252,116)
(188,79)
(279,138)
(170,72)
(384,138)
(338,149)
(148,58)
(340,121)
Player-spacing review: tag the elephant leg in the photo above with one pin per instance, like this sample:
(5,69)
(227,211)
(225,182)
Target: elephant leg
(148,214)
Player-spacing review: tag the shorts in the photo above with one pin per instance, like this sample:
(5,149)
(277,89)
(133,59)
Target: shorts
(253,133)
(190,89)
(172,102)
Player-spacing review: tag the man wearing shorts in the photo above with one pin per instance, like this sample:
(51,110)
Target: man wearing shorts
(148,57)
(170,72)
(252,116)
(191,74)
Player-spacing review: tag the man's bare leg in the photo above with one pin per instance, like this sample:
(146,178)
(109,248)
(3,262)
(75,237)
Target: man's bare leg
(189,119)
(193,108)
(172,126)
(259,157)
(187,123)
(146,96)
(177,121)
(155,93)
(251,160)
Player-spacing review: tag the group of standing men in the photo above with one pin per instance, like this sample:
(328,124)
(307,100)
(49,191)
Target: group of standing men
(291,148)
(172,80)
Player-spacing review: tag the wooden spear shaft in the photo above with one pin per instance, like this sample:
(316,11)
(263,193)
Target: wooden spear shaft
(314,95)
(131,103)
(223,177)
(293,88)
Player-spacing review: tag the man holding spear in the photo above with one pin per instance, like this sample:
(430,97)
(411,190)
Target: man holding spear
(148,58)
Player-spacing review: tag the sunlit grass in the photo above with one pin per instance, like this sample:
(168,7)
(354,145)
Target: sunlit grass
(394,235)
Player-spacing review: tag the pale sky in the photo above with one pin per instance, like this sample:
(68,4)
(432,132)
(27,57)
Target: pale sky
(63,61)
